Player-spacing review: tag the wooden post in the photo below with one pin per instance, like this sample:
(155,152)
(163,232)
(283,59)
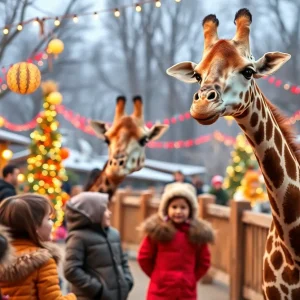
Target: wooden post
(237,249)
(203,200)
(143,211)
(118,206)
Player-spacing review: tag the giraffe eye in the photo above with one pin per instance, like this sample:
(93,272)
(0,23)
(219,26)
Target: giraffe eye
(197,77)
(247,73)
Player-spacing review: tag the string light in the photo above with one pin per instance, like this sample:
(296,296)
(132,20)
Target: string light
(20,27)
(56,22)
(96,15)
(36,21)
(117,13)
(138,8)
(7,154)
(75,19)
(6,30)
(177,1)
(157,3)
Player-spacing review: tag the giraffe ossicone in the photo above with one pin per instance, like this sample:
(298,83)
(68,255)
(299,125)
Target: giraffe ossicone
(226,75)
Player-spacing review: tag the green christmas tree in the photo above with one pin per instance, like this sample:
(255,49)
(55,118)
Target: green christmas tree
(45,171)
(243,159)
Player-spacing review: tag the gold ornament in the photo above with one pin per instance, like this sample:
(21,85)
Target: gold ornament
(54,98)
(23,78)
(55,47)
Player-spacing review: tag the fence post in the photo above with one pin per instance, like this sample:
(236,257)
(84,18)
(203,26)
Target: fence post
(203,200)
(118,206)
(237,249)
(144,199)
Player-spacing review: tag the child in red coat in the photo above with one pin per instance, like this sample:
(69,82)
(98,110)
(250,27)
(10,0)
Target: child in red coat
(174,253)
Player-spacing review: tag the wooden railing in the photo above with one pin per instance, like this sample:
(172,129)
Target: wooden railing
(237,254)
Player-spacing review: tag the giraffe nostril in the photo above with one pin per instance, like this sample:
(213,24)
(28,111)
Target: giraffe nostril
(111,162)
(196,97)
(121,162)
(212,95)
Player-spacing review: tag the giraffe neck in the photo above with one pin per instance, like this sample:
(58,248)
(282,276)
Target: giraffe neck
(279,166)
(106,184)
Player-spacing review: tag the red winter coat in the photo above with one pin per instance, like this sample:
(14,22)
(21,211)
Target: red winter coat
(175,258)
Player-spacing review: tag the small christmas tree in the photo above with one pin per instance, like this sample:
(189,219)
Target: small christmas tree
(45,170)
(243,160)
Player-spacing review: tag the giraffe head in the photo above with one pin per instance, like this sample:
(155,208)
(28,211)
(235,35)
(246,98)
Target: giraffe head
(226,71)
(126,138)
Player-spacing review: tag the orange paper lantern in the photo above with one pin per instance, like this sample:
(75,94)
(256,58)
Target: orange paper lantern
(64,153)
(23,78)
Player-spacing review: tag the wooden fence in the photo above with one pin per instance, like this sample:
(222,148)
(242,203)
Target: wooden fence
(237,254)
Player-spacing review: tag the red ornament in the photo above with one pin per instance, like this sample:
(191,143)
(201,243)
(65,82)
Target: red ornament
(64,153)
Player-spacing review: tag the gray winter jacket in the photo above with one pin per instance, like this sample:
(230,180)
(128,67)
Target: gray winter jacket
(95,264)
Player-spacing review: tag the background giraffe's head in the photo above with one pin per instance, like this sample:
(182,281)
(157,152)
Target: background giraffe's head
(226,71)
(127,138)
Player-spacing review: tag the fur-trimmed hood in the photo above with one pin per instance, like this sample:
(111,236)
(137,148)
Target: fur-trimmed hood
(6,250)
(26,258)
(200,231)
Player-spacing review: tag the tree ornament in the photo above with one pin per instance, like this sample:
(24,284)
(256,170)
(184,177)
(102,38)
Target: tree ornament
(64,153)
(23,78)
(54,98)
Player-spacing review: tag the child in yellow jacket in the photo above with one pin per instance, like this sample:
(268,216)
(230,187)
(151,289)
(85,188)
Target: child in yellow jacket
(32,272)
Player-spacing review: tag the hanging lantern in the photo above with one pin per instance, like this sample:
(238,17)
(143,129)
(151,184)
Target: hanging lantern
(54,98)
(64,153)
(55,47)
(23,78)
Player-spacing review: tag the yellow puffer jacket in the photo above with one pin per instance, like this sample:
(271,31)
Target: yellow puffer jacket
(32,274)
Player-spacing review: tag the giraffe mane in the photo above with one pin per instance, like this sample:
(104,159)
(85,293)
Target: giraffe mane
(286,129)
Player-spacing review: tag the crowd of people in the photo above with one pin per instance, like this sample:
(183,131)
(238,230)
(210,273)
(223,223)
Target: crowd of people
(95,264)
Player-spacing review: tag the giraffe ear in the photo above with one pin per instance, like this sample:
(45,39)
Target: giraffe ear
(157,131)
(100,128)
(183,71)
(270,63)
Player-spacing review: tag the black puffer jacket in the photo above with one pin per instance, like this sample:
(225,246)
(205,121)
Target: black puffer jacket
(95,264)
(6,190)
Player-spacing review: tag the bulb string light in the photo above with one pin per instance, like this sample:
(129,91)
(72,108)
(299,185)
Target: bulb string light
(75,17)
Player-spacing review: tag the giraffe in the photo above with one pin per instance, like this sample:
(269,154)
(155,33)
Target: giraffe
(126,139)
(226,75)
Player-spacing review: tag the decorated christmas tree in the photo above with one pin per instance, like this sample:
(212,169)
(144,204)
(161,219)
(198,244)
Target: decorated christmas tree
(45,171)
(243,160)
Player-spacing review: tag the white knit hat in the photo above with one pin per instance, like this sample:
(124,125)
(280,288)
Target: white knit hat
(178,189)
